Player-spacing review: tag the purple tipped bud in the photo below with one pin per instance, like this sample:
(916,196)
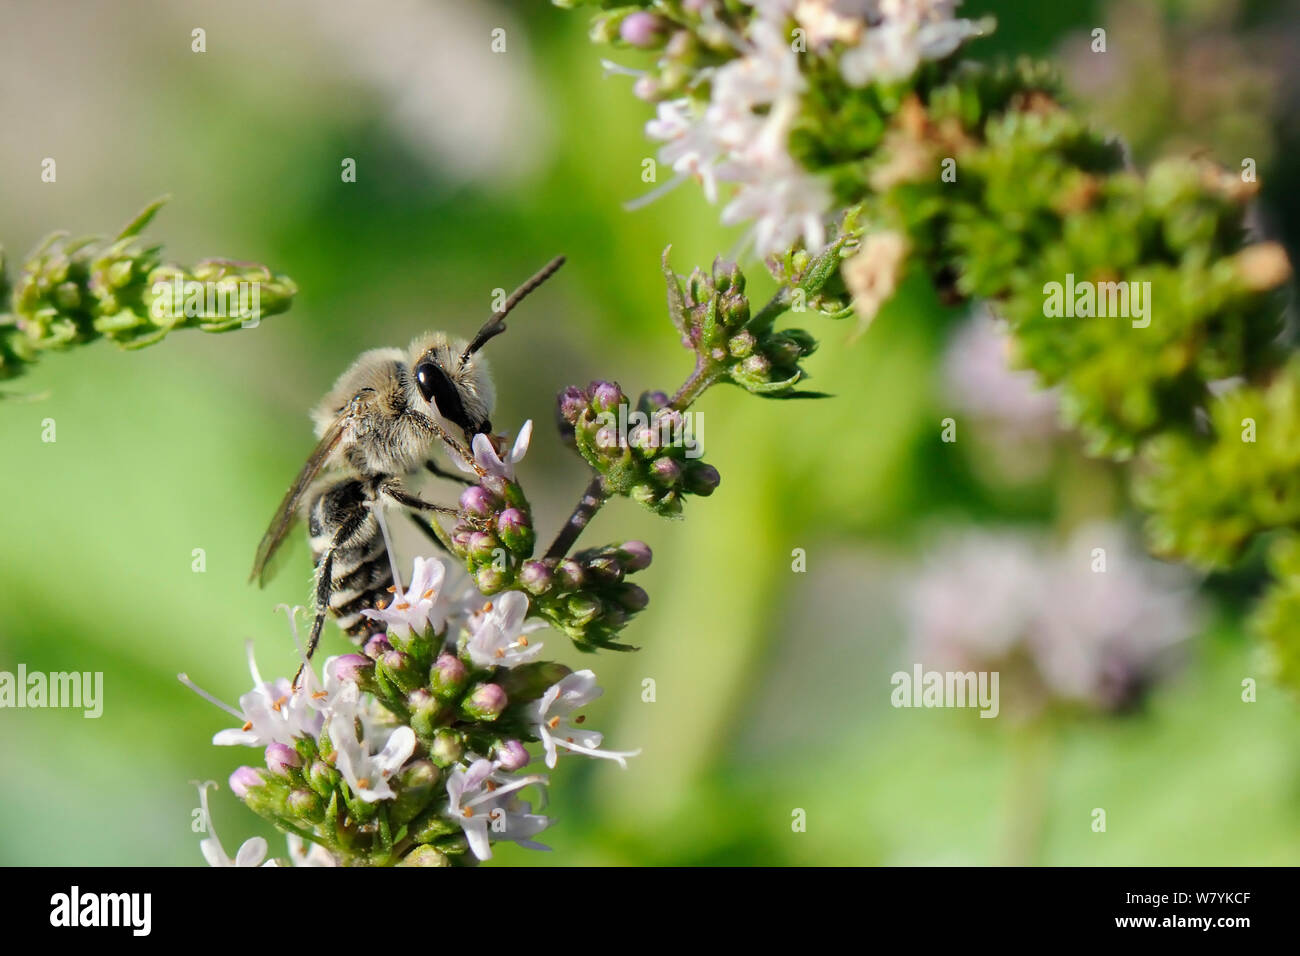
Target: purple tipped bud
(633,597)
(666,471)
(645,440)
(377,646)
(536,577)
(490,579)
(636,555)
(304,803)
(481,545)
(243,780)
(572,403)
(606,568)
(703,479)
(570,575)
(511,755)
(351,667)
(655,399)
(606,439)
(322,777)
(447,676)
(399,667)
(642,29)
(478,501)
(741,345)
(395,660)
(485,702)
(515,530)
(606,396)
(757,366)
(281,758)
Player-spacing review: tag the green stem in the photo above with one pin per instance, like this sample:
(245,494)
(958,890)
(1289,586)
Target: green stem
(1027,793)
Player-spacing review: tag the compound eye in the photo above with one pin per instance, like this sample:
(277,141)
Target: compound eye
(436,387)
(427,376)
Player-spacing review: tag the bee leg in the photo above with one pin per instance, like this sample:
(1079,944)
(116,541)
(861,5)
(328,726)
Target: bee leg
(324,588)
(440,473)
(415,504)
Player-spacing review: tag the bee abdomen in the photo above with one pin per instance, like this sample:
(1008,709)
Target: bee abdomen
(360,576)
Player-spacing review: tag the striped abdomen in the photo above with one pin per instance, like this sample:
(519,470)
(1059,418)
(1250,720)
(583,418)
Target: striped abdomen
(360,575)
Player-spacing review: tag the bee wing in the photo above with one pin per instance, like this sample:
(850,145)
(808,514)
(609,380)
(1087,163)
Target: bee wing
(287,511)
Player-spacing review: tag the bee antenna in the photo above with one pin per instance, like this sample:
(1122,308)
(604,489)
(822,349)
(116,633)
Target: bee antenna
(497,324)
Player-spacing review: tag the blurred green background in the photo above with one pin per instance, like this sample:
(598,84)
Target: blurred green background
(474,168)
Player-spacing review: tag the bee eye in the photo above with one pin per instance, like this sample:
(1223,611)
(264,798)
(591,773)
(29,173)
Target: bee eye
(436,387)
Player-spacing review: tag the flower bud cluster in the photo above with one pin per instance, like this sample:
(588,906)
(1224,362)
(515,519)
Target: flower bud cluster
(410,753)
(588,595)
(649,453)
(74,291)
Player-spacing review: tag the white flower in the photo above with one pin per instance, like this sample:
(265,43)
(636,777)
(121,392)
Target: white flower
(303,853)
(767,73)
(549,717)
(1106,634)
(367,773)
(418,609)
(973,600)
(486,457)
(498,629)
(742,137)
(482,800)
(269,713)
(690,147)
(910,31)
(1093,622)
(250,853)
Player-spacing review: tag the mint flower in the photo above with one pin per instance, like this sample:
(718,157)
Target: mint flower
(250,853)
(304,853)
(488,459)
(499,632)
(269,713)
(1049,617)
(417,609)
(367,773)
(741,136)
(909,32)
(481,799)
(689,146)
(549,720)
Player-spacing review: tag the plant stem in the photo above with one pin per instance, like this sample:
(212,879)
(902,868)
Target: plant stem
(700,379)
(1027,793)
(587,506)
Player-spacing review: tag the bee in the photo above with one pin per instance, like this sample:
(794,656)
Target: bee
(377,427)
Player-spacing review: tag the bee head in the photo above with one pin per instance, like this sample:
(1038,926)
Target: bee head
(460,393)
(452,377)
